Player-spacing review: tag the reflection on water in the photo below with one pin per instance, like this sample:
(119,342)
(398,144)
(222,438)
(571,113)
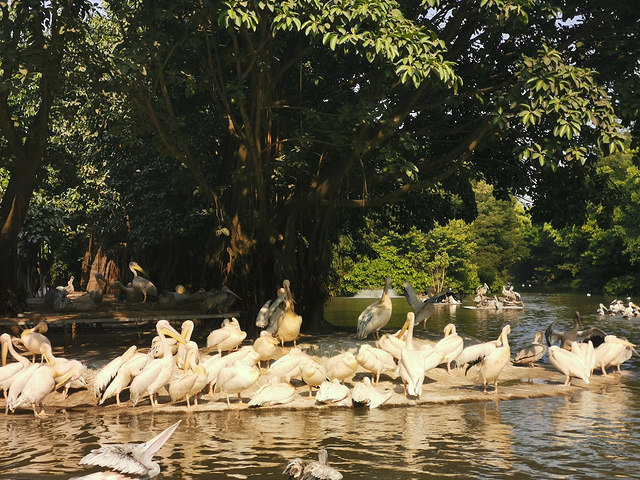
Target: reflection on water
(591,434)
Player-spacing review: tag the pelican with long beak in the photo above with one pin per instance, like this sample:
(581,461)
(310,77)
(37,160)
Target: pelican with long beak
(143,285)
(376,315)
(131,459)
(158,372)
(411,365)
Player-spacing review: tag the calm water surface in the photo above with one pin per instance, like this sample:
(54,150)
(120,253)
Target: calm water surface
(594,433)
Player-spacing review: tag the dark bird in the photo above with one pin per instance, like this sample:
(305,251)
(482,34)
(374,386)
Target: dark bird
(131,459)
(312,470)
(423,308)
(376,315)
(576,334)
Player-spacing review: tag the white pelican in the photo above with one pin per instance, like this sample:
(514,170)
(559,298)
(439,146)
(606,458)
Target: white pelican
(131,459)
(365,394)
(8,371)
(576,334)
(312,470)
(40,384)
(141,284)
(376,360)
(568,363)
(267,346)
(70,373)
(33,338)
(236,378)
(411,364)
(532,353)
(290,323)
(587,354)
(376,315)
(450,346)
(121,381)
(185,332)
(493,364)
(474,353)
(193,379)
(107,373)
(158,372)
(271,312)
(131,295)
(602,309)
(227,337)
(18,383)
(609,351)
(422,308)
(273,393)
(341,366)
(625,355)
(289,366)
(332,392)
(394,343)
(313,374)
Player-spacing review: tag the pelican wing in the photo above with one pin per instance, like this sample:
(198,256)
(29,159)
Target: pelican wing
(551,336)
(594,334)
(316,470)
(116,457)
(412,297)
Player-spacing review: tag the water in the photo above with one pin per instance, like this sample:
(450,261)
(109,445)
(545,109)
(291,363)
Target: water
(593,433)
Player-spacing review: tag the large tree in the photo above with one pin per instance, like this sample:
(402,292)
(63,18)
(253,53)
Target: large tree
(41,44)
(356,103)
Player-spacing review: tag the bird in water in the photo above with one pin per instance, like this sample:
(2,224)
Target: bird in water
(300,469)
(576,334)
(532,353)
(130,459)
(376,315)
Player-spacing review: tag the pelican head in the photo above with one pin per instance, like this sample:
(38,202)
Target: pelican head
(165,328)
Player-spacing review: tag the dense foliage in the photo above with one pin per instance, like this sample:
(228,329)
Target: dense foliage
(234,142)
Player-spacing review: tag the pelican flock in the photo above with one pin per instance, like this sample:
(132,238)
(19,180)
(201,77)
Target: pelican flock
(176,370)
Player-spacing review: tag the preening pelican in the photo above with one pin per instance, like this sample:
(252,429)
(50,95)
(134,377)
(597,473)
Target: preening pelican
(141,284)
(312,470)
(449,347)
(290,323)
(332,392)
(532,353)
(236,378)
(493,364)
(18,383)
(267,346)
(394,343)
(131,295)
(33,338)
(192,380)
(377,361)
(69,372)
(271,312)
(568,363)
(376,315)
(9,371)
(289,366)
(341,366)
(422,308)
(609,351)
(40,384)
(411,365)
(273,393)
(227,337)
(576,334)
(185,332)
(158,372)
(364,394)
(313,374)
(98,294)
(131,459)
(475,353)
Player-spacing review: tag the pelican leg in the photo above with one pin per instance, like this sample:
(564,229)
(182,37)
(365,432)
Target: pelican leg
(567,382)
(484,382)
(495,386)
(604,371)
(228,402)
(240,398)
(310,390)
